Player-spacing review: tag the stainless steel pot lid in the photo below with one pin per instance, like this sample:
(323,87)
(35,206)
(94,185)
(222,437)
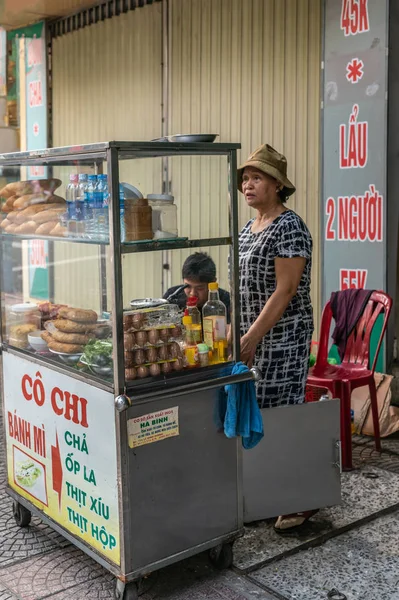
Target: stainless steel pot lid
(147,303)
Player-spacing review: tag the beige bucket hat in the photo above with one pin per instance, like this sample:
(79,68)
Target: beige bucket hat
(267,159)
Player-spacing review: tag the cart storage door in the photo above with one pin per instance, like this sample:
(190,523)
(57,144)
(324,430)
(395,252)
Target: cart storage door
(296,465)
(183,490)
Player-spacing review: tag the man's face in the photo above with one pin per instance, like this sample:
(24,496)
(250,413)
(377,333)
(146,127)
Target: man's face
(197,289)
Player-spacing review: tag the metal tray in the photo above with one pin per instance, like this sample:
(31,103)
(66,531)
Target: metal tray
(189,138)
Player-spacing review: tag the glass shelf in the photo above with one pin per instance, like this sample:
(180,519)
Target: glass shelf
(129,247)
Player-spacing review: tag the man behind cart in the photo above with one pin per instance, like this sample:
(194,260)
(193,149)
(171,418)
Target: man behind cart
(198,270)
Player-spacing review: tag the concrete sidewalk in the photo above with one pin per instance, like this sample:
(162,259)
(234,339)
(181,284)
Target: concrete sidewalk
(36,563)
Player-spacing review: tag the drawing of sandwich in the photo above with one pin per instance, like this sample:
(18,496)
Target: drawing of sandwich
(27,473)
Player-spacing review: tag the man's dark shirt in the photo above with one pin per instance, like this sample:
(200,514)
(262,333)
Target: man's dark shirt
(181,299)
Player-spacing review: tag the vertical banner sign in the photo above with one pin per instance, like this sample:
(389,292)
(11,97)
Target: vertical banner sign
(36,139)
(354,153)
(3,63)
(38,269)
(56,455)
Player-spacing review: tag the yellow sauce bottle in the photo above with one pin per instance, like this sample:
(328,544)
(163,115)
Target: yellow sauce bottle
(215,325)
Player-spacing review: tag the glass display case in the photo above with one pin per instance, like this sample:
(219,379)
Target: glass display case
(99,345)
(85,225)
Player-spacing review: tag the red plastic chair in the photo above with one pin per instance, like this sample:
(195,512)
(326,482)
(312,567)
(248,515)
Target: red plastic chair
(355,370)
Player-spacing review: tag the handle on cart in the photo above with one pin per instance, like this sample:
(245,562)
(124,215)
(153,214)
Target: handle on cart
(123,402)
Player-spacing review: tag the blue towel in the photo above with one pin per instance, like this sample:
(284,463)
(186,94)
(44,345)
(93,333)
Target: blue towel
(238,412)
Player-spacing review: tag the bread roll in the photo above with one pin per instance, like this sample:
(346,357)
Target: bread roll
(45,228)
(5,223)
(48,215)
(4,193)
(12,216)
(11,228)
(21,188)
(65,348)
(59,231)
(28,213)
(28,227)
(73,327)
(78,314)
(9,205)
(30,199)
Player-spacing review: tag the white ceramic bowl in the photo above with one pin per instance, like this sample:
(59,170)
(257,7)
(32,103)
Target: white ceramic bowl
(36,341)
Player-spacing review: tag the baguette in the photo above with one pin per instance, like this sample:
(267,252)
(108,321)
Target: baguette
(21,188)
(28,213)
(59,231)
(73,327)
(9,204)
(4,193)
(28,227)
(46,228)
(12,216)
(30,199)
(48,215)
(78,314)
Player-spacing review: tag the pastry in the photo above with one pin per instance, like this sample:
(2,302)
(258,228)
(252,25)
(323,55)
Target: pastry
(73,326)
(65,348)
(70,338)
(78,314)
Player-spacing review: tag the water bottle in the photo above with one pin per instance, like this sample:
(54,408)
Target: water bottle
(100,191)
(102,215)
(80,206)
(122,211)
(70,196)
(90,226)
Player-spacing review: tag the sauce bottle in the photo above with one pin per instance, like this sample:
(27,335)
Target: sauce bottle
(190,347)
(195,314)
(215,325)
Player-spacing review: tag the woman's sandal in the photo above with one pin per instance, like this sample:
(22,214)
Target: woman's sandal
(293,522)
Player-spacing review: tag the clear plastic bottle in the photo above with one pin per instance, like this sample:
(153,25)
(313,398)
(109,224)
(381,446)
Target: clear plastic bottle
(215,325)
(195,315)
(90,226)
(70,196)
(80,206)
(122,211)
(190,347)
(100,197)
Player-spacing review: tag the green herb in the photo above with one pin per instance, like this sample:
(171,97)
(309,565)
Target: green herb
(98,352)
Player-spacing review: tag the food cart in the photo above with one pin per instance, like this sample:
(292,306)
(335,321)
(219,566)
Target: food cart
(121,457)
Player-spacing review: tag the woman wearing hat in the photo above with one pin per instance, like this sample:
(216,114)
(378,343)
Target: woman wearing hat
(275,251)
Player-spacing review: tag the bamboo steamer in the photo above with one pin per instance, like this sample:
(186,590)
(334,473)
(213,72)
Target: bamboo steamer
(138,220)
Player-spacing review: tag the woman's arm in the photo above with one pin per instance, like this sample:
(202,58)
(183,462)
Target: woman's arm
(288,276)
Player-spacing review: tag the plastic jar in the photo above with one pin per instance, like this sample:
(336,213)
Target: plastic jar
(22,319)
(164,215)
(24,314)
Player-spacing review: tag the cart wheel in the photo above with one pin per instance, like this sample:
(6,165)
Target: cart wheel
(22,515)
(222,556)
(128,592)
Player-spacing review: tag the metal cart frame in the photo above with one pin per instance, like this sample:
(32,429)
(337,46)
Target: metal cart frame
(197,391)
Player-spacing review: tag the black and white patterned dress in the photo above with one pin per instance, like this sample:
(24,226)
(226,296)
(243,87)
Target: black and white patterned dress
(283,354)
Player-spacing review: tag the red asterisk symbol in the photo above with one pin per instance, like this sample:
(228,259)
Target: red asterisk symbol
(354,70)
(35,129)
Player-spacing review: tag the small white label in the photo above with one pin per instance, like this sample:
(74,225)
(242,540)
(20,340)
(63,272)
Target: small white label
(153,427)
